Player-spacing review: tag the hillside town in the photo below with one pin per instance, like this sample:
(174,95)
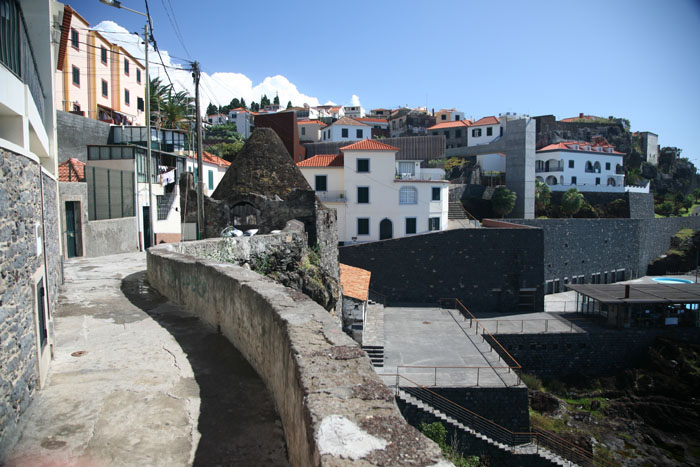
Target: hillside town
(265,284)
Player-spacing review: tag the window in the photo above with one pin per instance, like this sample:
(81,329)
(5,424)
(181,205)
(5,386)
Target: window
(74,39)
(476,132)
(76,108)
(597,180)
(573,180)
(571,164)
(436,193)
(359,133)
(138,75)
(344,133)
(607,166)
(363,165)
(303,130)
(362,226)
(407,168)
(433,223)
(127,97)
(447,133)
(321,183)
(76,76)
(443,117)
(458,133)
(410,225)
(211,179)
(489,131)
(363,194)
(126,66)
(104,88)
(103,55)
(140,103)
(457,117)
(408,195)
(501,131)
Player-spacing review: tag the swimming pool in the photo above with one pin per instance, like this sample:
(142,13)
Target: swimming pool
(672,280)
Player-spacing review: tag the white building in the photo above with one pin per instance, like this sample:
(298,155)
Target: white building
(491,163)
(243,120)
(354,111)
(214,169)
(217,119)
(485,131)
(310,130)
(377,197)
(585,166)
(448,115)
(346,129)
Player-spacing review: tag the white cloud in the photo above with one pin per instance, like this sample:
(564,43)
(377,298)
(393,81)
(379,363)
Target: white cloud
(330,103)
(355,100)
(218,88)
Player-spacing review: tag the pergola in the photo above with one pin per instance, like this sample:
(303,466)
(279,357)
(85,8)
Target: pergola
(640,304)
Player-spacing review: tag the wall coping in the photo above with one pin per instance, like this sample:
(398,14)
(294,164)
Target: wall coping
(334,408)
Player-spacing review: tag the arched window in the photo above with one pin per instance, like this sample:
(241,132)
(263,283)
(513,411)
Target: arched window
(244,214)
(408,195)
(551,180)
(589,166)
(596,167)
(611,181)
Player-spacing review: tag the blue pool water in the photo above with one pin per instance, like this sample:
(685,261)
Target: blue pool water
(672,280)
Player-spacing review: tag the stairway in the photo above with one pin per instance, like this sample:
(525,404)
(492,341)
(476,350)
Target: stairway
(375,354)
(165,202)
(456,211)
(521,449)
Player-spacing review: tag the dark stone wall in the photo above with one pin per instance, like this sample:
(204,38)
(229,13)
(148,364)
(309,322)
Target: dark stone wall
(54,273)
(549,131)
(603,352)
(485,268)
(20,205)
(74,133)
(641,205)
(575,247)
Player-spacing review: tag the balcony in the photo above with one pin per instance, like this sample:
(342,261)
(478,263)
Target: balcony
(550,168)
(332,196)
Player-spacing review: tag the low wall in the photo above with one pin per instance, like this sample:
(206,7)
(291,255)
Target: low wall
(110,236)
(333,406)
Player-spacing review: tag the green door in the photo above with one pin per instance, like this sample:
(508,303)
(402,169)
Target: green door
(70,228)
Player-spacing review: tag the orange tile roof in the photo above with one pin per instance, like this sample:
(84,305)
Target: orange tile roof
(323,160)
(72,170)
(486,121)
(311,122)
(211,158)
(238,109)
(567,146)
(452,124)
(355,281)
(370,119)
(347,121)
(369,145)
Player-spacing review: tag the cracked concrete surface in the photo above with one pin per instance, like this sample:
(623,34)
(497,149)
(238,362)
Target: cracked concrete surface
(149,385)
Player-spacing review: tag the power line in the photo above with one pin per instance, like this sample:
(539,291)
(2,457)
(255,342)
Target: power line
(155,44)
(130,55)
(173,22)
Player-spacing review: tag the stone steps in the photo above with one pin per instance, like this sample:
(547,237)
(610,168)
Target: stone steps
(375,354)
(456,211)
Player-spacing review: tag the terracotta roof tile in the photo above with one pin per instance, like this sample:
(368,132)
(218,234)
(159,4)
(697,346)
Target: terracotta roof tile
(355,281)
(212,159)
(323,160)
(311,122)
(369,145)
(568,146)
(452,124)
(486,121)
(347,121)
(72,170)
(371,119)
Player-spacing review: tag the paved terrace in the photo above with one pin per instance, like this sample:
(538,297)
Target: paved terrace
(432,338)
(138,381)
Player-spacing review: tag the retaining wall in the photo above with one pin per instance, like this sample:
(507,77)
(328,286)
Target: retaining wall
(75,132)
(320,379)
(110,236)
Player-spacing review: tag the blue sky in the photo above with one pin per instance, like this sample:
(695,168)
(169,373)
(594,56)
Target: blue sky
(634,59)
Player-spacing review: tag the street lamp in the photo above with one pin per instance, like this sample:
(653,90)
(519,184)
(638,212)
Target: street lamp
(146,34)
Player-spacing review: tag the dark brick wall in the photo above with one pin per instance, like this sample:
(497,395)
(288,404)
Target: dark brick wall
(574,247)
(592,354)
(485,268)
(285,125)
(74,133)
(641,205)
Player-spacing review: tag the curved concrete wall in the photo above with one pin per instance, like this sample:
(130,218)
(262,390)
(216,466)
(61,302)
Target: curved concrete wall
(334,408)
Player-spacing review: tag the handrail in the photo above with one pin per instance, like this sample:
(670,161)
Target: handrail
(500,433)
(469,214)
(381,295)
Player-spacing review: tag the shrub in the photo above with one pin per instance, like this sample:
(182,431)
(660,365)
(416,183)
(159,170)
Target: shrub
(531,381)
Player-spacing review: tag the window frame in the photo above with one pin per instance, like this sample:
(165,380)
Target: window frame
(323,177)
(357,167)
(571,163)
(438,190)
(476,132)
(74,38)
(127,97)
(126,66)
(76,73)
(103,54)
(415,225)
(357,226)
(344,132)
(210,179)
(431,221)
(405,200)
(138,76)
(358,133)
(105,88)
(358,195)
(489,131)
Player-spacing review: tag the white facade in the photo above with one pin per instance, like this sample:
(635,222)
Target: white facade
(485,131)
(346,129)
(217,119)
(213,173)
(448,115)
(354,111)
(581,165)
(243,120)
(378,197)
(310,131)
(494,162)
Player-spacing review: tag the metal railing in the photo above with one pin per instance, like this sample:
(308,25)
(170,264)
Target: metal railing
(556,168)
(537,439)
(377,297)
(16,51)
(332,196)
(537,325)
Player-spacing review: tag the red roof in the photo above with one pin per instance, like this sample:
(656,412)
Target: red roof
(355,281)
(212,159)
(486,121)
(347,121)
(369,145)
(370,119)
(311,122)
(238,109)
(323,160)
(72,170)
(452,124)
(568,146)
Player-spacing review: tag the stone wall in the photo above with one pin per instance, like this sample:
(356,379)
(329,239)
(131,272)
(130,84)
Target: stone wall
(110,236)
(603,352)
(582,247)
(52,232)
(20,205)
(320,379)
(641,205)
(74,133)
(485,268)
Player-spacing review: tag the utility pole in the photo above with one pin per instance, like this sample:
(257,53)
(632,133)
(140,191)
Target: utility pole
(151,241)
(200,168)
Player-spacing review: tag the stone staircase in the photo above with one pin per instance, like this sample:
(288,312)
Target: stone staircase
(456,211)
(375,354)
(540,455)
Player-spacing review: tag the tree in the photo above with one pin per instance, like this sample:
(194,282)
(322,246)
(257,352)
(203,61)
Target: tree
(277,99)
(289,104)
(212,109)
(571,202)
(688,202)
(543,196)
(665,209)
(503,201)
(264,100)
(235,103)
(696,194)
(243,104)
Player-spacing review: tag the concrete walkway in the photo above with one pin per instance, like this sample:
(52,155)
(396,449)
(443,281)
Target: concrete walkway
(137,381)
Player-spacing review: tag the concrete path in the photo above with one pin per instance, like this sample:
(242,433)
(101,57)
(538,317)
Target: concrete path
(137,381)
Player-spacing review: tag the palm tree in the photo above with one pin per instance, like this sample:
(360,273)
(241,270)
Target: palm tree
(169,109)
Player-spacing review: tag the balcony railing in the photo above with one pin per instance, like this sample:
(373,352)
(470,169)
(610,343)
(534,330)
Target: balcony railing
(332,196)
(16,51)
(551,168)
(409,176)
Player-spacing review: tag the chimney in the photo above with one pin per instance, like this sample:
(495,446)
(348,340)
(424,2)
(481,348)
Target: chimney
(627,291)
(580,115)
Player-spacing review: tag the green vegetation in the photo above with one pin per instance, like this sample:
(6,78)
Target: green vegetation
(223,140)
(571,202)
(503,201)
(169,109)
(531,381)
(543,196)
(437,432)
